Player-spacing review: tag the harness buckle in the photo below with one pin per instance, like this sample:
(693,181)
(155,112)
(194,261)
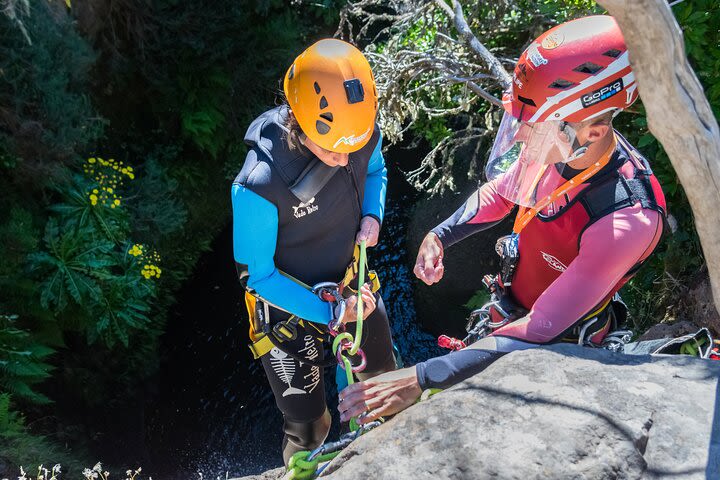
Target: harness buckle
(285,331)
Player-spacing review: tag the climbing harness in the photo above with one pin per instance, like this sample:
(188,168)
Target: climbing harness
(502,310)
(306,464)
(272,336)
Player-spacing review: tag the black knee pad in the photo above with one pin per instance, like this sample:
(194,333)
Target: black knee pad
(304,435)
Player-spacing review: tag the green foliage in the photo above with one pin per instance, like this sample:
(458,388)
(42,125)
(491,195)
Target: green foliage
(202,115)
(175,85)
(19,446)
(157,211)
(88,260)
(22,361)
(480,298)
(47,114)
(18,236)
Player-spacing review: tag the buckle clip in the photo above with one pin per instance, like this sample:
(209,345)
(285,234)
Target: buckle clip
(285,331)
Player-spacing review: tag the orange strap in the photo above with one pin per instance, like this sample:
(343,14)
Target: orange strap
(526,214)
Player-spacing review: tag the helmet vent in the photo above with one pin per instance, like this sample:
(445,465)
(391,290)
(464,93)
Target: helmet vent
(561,84)
(316,87)
(527,101)
(614,53)
(323,103)
(589,68)
(327,116)
(322,127)
(291,73)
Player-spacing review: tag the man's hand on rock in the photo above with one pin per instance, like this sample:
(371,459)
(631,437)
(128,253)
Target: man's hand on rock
(428,266)
(385,394)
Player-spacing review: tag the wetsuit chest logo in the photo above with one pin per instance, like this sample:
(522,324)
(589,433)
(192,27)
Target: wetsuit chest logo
(305,208)
(554,263)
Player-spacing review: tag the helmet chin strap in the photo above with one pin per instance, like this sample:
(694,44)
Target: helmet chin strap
(578,150)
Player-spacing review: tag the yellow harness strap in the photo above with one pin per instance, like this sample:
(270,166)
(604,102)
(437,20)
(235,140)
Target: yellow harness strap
(353,269)
(589,316)
(261,346)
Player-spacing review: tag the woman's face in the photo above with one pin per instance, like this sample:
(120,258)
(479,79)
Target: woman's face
(332,159)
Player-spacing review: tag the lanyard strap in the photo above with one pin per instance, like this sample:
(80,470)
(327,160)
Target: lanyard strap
(526,214)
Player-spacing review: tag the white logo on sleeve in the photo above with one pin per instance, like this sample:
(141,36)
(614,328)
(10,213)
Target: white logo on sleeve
(554,263)
(305,208)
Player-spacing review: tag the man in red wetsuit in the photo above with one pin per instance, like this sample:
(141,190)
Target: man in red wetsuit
(590,211)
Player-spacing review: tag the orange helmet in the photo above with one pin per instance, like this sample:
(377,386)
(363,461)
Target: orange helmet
(331,91)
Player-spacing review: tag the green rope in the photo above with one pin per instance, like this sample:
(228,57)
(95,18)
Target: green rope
(299,468)
(360,306)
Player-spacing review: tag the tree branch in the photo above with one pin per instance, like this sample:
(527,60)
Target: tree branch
(476,89)
(462,26)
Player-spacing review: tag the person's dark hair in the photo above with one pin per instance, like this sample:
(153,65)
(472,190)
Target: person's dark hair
(292,137)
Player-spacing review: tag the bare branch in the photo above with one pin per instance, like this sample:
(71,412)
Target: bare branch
(431,176)
(461,24)
(476,89)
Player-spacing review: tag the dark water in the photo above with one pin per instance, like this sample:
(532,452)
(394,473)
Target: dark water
(215,413)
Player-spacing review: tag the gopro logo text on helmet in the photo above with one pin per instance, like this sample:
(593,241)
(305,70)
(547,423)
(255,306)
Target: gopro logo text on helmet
(602,93)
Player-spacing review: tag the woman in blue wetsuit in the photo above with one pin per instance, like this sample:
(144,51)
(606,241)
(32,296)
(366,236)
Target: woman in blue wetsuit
(312,187)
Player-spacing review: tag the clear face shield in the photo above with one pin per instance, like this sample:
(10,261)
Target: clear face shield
(527,158)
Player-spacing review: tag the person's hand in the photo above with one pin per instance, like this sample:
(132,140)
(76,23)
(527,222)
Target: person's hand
(369,305)
(369,231)
(385,394)
(429,266)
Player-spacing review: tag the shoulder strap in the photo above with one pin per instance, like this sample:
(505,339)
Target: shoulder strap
(311,180)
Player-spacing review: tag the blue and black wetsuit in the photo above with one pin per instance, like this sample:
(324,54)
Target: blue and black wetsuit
(296,215)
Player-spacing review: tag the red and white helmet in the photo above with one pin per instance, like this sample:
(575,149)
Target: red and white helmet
(573,72)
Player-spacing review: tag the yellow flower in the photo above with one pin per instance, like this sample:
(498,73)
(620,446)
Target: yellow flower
(91,160)
(95,190)
(116,202)
(109,190)
(131,175)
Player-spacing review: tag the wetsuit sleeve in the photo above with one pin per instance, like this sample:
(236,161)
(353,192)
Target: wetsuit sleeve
(484,209)
(375,185)
(255,227)
(609,248)
(446,371)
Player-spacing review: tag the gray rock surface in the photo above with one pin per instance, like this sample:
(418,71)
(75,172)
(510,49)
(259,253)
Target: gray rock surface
(274,474)
(562,413)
